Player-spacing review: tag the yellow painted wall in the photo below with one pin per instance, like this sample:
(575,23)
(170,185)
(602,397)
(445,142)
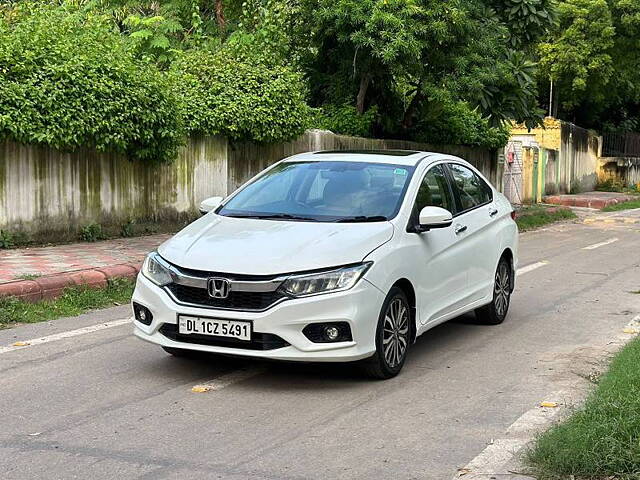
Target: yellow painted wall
(547,137)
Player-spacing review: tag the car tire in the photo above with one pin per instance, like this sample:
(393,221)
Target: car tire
(177,352)
(495,312)
(393,337)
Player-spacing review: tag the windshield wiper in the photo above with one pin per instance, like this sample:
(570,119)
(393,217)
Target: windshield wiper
(362,218)
(276,216)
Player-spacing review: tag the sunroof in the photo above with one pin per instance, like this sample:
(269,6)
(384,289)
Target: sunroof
(393,153)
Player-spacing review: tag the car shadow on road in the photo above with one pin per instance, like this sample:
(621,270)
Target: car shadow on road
(426,353)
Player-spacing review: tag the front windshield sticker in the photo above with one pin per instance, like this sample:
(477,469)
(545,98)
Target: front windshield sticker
(400,171)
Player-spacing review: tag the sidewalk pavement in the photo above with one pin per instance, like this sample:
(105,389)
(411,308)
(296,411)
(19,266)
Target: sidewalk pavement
(43,272)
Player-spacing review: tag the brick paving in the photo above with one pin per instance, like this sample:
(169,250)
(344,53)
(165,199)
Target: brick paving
(45,261)
(589,199)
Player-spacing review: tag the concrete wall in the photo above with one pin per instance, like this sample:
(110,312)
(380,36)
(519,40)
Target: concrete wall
(49,194)
(246,159)
(624,170)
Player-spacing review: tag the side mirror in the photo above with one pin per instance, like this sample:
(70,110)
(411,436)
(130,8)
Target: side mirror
(210,204)
(434,217)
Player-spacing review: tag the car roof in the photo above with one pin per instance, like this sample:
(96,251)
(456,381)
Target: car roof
(399,157)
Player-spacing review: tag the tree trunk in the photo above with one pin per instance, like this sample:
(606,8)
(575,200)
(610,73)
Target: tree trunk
(222,23)
(365,80)
(407,120)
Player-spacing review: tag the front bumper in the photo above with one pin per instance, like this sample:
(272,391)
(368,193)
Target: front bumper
(359,306)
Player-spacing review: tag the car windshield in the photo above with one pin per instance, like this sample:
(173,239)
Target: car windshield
(323,191)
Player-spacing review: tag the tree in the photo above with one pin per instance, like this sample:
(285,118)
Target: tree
(578,59)
(413,59)
(593,58)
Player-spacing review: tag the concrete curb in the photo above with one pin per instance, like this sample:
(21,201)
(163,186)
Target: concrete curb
(52,286)
(588,201)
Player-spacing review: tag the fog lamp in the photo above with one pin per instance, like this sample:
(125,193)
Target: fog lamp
(332,333)
(142,314)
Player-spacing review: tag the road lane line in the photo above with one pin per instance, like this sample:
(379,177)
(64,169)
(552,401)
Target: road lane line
(62,335)
(531,267)
(228,379)
(601,244)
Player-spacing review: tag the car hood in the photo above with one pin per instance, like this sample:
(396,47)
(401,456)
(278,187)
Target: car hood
(267,247)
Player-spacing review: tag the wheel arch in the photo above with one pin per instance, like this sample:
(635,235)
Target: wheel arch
(507,254)
(406,286)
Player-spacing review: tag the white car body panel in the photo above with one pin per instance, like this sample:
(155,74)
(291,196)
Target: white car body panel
(451,273)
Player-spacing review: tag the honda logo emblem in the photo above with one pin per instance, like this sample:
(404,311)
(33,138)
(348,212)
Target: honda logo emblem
(218,287)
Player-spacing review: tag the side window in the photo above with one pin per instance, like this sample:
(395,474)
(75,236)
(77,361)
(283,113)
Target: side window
(434,190)
(469,189)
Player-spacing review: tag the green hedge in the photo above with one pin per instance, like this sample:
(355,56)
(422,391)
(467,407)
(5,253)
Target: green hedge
(221,94)
(67,79)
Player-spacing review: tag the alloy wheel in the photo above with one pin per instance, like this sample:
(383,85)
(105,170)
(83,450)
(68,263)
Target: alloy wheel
(501,290)
(395,335)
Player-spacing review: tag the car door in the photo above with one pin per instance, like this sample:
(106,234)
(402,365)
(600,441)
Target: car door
(441,277)
(473,225)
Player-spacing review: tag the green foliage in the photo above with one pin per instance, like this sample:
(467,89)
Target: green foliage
(92,233)
(602,439)
(592,57)
(616,207)
(74,301)
(266,32)
(67,79)
(126,230)
(579,56)
(613,185)
(458,123)
(344,119)
(151,36)
(536,216)
(526,20)
(6,239)
(220,94)
(415,59)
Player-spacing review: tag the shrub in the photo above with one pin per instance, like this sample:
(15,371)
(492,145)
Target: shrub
(92,232)
(126,229)
(6,239)
(67,78)
(244,100)
(458,123)
(345,120)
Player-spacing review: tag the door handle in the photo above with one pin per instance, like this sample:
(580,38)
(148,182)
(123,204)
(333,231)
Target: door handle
(459,229)
(493,212)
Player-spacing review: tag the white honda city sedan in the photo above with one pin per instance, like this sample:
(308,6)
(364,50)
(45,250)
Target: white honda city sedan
(332,257)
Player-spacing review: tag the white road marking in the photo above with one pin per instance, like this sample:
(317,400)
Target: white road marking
(493,459)
(228,379)
(531,267)
(601,244)
(497,453)
(62,335)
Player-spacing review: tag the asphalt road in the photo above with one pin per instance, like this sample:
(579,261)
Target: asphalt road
(103,405)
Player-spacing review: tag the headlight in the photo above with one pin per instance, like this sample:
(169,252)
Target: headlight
(324,282)
(154,270)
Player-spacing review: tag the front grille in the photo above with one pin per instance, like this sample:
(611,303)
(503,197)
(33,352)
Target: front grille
(259,341)
(235,301)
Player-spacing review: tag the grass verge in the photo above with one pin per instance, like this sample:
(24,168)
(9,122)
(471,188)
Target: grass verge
(602,440)
(536,216)
(622,206)
(73,301)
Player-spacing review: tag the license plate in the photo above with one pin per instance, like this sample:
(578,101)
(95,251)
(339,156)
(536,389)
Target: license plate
(215,327)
